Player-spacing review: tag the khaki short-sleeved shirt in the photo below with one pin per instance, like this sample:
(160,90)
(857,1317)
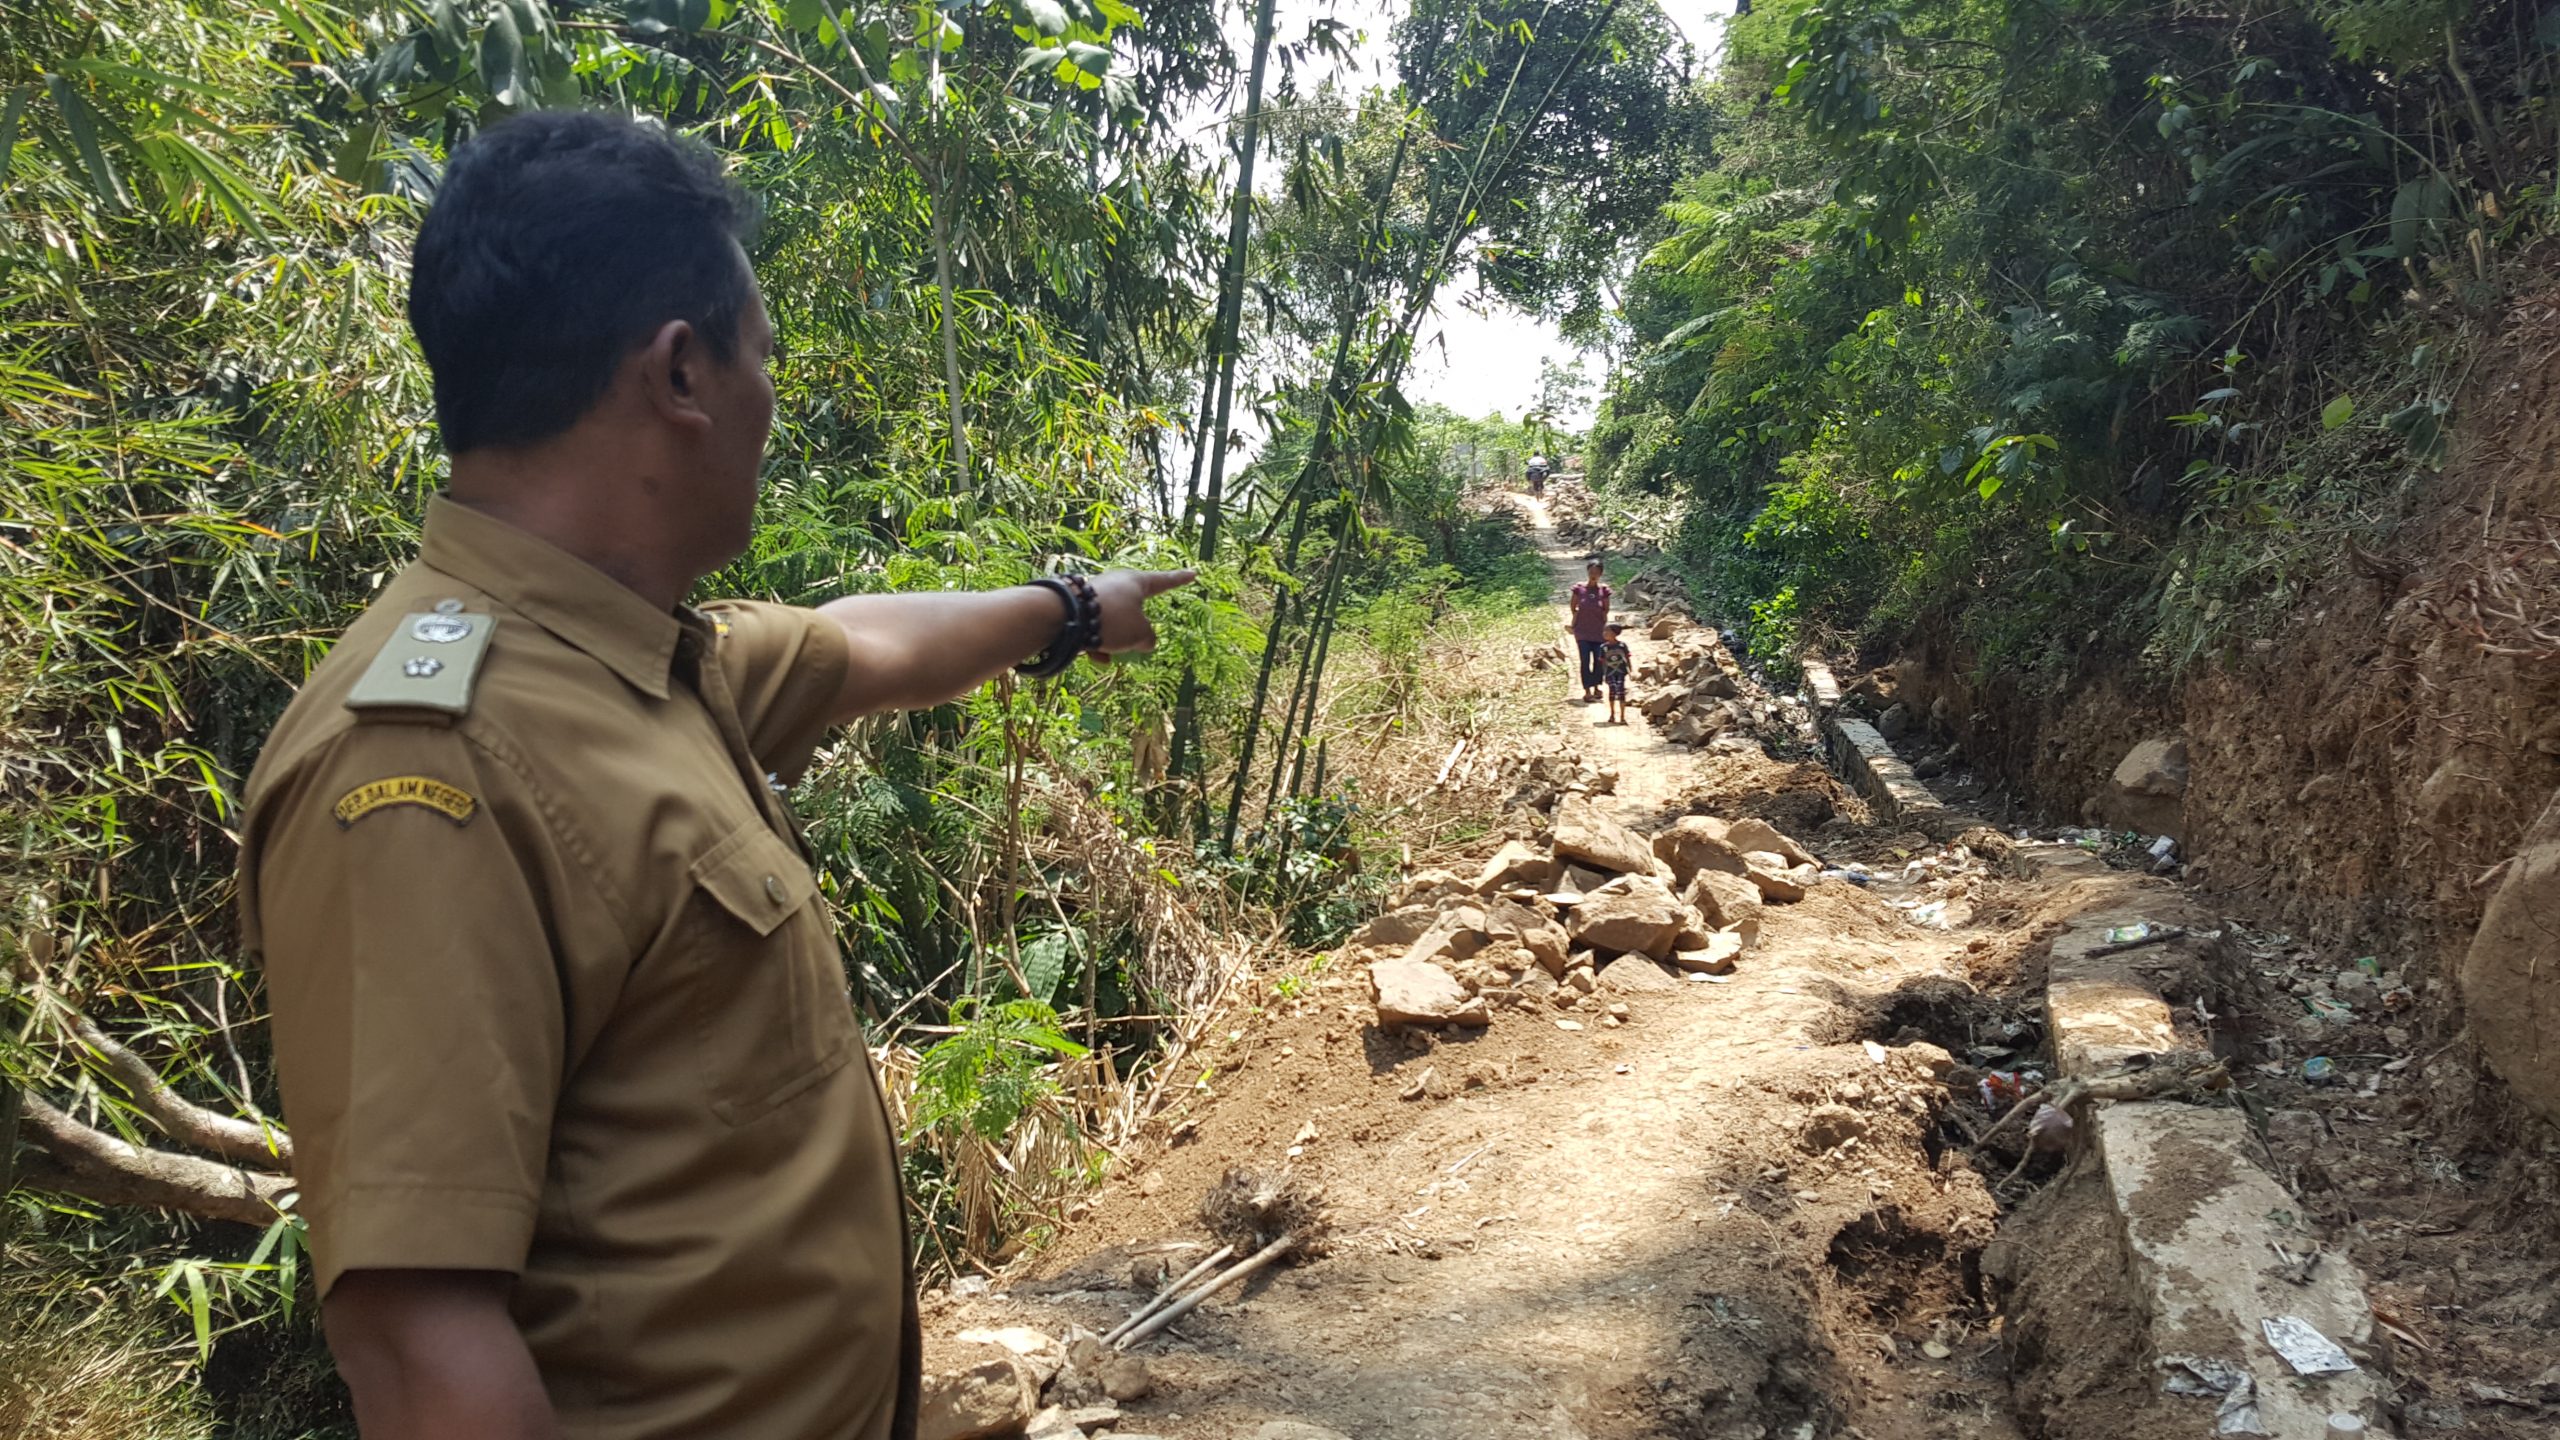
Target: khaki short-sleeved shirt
(554,994)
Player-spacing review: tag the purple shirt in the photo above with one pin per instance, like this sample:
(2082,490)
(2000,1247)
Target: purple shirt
(1590,604)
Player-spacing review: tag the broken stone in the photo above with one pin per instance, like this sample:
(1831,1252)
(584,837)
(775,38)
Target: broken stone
(990,1398)
(1663,628)
(1831,1126)
(1053,1424)
(1412,992)
(1126,1378)
(1727,902)
(1394,930)
(1635,975)
(1043,1356)
(1427,887)
(1474,1014)
(1777,882)
(1717,685)
(1517,863)
(1716,957)
(1457,935)
(1583,832)
(1094,1417)
(1755,834)
(1895,722)
(1541,938)
(1694,843)
(1633,914)
(1581,978)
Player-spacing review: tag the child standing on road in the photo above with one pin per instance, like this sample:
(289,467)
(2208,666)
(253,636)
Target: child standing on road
(1615,661)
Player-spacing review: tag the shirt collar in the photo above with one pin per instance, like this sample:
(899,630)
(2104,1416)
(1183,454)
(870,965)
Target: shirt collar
(556,590)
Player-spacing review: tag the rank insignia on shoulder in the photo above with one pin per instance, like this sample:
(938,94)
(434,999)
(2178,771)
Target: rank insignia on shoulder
(451,802)
(429,663)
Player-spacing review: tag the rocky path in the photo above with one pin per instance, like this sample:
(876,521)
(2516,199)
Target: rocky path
(1719,1211)
(1653,773)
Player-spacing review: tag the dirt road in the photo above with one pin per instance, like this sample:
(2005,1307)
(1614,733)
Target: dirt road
(1727,1218)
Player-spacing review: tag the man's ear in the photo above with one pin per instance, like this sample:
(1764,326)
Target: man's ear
(671,367)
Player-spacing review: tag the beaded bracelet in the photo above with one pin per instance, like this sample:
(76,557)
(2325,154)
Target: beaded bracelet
(1079,632)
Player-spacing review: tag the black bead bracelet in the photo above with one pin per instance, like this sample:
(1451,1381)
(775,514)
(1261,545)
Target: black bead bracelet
(1079,632)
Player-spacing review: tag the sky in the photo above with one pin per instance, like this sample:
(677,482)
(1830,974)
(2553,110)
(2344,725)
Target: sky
(1476,355)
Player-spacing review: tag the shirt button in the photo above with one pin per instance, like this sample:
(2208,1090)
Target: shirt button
(773,888)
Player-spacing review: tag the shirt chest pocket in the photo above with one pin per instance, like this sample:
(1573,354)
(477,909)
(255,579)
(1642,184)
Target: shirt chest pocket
(764,984)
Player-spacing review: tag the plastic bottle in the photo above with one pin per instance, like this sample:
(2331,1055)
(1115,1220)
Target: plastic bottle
(2345,1427)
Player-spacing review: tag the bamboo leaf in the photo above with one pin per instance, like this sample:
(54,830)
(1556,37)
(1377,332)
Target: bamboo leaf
(83,123)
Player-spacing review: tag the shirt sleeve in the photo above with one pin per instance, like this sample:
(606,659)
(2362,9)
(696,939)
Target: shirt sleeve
(395,887)
(786,670)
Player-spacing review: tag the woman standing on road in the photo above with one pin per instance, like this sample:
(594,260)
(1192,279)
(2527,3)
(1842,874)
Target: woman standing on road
(1589,606)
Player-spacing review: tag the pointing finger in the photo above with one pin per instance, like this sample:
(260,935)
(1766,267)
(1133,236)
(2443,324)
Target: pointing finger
(1156,582)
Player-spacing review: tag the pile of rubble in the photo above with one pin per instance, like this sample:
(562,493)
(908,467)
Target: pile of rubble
(1590,910)
(1023,1382)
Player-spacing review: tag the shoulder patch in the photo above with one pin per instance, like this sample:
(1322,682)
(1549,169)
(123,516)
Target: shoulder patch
(429,664)
(450,801)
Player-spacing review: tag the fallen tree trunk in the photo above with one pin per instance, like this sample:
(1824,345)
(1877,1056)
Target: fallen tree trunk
(77,1160)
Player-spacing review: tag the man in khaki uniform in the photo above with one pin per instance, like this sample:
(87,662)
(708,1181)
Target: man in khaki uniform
(585,1128)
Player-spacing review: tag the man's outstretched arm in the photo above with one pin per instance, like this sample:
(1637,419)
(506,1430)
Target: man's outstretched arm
(916,650)
(433,1355)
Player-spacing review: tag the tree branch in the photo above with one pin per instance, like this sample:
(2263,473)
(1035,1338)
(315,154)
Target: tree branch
(252,1142)
(77,1160)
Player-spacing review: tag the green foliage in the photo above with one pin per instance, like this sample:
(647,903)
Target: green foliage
(2033,320)
(986,1077)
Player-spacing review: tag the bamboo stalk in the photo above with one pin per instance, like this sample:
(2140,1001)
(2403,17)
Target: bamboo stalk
(1190,1302)
(1171,1289)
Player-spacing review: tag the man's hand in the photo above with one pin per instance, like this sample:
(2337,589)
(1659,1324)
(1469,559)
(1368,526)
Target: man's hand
(924,648)
(433,1355)
(1123,595)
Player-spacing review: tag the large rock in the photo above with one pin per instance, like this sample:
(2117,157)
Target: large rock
(1517,863)
(2150,786)
(2511,975)
(1414,992)
(1693,843)
(990,1398)
(1583,832)
(1717,685)
(2154,767)
(1895,722)
(1727,902)
(1754,834)
(1635,914)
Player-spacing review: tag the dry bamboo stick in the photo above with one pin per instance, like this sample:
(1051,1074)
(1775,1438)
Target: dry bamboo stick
(1171,1289)
(1188,1303)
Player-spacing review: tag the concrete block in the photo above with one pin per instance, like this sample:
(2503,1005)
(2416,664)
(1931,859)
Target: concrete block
(2200,1220)
(1821,685)
(1863,757)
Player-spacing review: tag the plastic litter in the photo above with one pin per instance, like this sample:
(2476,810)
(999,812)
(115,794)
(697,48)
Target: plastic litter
(2001,1089)
(2322,1007)
(2202,1375)
(2127,934)
(2162,847)
(1933,915)
(1851,876)
(2345,1427)
(2304,1348)
(2320,1070)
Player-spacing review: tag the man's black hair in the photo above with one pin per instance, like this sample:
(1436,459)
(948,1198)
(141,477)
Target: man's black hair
(558,243)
